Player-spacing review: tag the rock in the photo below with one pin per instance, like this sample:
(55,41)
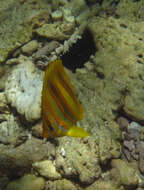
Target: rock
(46,50)
(124,80)
(47,169)
(63,184)
(4,72)
(132,134)
(83,16)
(130,10)
(109,146)
(16,161)
(70,19)
(15,54)
(141,155)
(129,145)
(23,89)
(132,146)
(76,7)
(123,123)
(12,61)
(37,129)
(55,4)
(139,188)
(4,117)
(56,15)
(127,174)
(56,31)
(89,66)
(76,11)
(102,185)
(9,131)
(75,159)
(133,105)
(59,50)
(81,71)
(67,15)
(30,47)
(134,126)
(142,134)
(28,182)
(135,155)
(16,32)
(127,154)
(3,103)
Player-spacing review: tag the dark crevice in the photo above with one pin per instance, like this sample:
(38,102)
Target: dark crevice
(105,167)
(75,180)
(80,52)
(121,113)
(89,3)
(21,118)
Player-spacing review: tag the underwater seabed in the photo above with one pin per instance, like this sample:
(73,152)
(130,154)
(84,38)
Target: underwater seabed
(101,46)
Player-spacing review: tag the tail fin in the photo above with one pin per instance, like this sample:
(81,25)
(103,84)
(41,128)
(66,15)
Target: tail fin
(77,132)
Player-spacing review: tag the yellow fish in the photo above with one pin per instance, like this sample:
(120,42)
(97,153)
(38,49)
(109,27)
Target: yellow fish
(60,106)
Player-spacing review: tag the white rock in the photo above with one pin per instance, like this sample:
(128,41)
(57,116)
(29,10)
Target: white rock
(23,89)
(8,128)
(70,19)
(56,15)
(135,126)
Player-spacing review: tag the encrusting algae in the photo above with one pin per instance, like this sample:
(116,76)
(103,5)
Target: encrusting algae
(60,106)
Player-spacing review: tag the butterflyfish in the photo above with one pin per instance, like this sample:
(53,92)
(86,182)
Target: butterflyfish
(60,107)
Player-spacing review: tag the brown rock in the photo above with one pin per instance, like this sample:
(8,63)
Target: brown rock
(123,123)
(30,47)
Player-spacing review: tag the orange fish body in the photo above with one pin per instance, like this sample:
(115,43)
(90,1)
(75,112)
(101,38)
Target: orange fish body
(60,107)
